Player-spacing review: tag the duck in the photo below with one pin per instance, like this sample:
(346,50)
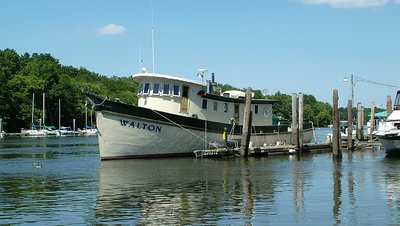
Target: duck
(37,165)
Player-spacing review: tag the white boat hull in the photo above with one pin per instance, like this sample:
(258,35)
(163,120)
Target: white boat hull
(126,136)
(391,144)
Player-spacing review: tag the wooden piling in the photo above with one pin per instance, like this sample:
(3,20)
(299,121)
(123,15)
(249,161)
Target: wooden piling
(295,137)
(359,134)
(301,119)
(244,147)
(388,104)
(350,125)
(372,122)
(336,139)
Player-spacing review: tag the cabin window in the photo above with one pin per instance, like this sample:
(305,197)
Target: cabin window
(225,107)
(156,89)
(140,90)
(255,109)
(204,104)
(166,89)
(176,90)
(215,106)
(146,88)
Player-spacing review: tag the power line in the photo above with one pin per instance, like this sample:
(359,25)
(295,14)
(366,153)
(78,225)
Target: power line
(373,82)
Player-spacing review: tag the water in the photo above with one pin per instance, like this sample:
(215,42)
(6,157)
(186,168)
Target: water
(74,187)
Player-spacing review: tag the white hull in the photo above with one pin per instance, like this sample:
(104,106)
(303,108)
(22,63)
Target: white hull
(125,136)
(33,133)
(391,144)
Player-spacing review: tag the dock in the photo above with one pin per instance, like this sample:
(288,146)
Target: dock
(261,151)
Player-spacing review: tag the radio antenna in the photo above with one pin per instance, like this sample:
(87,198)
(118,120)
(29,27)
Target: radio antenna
(152,33)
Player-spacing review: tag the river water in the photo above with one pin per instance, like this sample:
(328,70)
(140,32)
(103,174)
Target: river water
(74,187)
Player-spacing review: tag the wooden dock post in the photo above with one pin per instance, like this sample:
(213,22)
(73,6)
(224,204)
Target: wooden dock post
(388,104)
(350,125)
(336,139)
(372,123)
(295,137)
(301,119)
(73,125)
(244,147)
(359,134)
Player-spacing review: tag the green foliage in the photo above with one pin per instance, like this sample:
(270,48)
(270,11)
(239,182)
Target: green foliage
(21,76)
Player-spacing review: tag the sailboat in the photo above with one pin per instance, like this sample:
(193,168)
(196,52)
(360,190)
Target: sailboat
(88,130)
(48,130)
(63,130)
(33,132)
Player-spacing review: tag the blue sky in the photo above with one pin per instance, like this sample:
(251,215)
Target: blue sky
(290,46)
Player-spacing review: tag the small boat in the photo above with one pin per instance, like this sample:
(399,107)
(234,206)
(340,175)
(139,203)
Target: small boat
(388,132)
(88,130)
(66,131)
(176,116)
(343,132)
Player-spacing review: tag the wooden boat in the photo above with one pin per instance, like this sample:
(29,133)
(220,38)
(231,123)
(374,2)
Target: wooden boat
(176,116)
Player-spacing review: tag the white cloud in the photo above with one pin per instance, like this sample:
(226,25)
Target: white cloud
(110,29)
(351,3)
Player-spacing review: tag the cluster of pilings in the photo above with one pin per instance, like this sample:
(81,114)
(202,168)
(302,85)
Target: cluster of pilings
(336,134)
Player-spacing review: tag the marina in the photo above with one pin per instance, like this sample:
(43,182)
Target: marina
(52,180)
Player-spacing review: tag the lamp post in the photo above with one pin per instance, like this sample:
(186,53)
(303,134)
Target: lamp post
(352,84)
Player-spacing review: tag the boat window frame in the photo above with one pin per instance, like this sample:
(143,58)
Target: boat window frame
(153,85)
(173,90)
(226,107)
(140,89)
(204,104)
(163,89)
(215,107)
(148,88)
(256,109)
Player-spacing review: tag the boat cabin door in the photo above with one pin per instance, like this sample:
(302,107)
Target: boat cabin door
(236,115)
(185,99)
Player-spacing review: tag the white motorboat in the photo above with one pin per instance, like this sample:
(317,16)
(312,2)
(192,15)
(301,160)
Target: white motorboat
(388,132)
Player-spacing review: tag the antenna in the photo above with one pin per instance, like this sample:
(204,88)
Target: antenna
(201,73)
(152,33)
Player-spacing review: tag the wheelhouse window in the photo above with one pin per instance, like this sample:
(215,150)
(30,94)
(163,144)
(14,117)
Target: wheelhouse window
(215,106)
(225,107)
(204,104)
(156,88)
(256,109)
(140,90)
(166,89)
(176,90)
(146,88)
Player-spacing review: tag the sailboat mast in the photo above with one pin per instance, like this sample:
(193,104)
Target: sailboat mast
(44,110)
(59,113)
(85,114)
(33,109)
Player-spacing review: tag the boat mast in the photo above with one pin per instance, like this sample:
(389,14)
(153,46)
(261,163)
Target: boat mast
(85,114)
(152,34)
(33,109)
(59,113)
(44,110)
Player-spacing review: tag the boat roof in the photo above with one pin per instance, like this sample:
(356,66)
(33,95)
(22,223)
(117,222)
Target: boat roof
(140,76)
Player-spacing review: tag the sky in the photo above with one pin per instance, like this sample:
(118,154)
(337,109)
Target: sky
(290,46)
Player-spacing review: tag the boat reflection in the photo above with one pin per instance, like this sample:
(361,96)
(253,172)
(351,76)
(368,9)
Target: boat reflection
(183,191)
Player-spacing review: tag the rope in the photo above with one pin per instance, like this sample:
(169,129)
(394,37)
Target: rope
(181,127)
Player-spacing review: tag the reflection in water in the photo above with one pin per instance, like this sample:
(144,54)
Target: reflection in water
(74,187)
(177,191)
(337,189)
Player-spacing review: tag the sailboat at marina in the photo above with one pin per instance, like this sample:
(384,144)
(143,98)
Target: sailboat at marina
(88,130)
(63,130)
(33,131)
(48,130)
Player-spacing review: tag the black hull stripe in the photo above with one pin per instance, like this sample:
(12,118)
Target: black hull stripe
(188,122)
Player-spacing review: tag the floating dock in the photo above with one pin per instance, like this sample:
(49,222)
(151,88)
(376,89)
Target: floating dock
(261,151)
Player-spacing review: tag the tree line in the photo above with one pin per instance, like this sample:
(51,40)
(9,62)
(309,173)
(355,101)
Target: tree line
(23,75)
